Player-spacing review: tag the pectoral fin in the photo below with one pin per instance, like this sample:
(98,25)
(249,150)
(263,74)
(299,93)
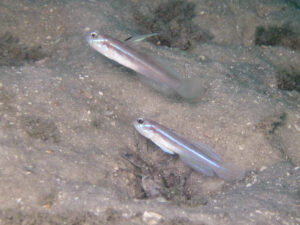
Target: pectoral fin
(167,150)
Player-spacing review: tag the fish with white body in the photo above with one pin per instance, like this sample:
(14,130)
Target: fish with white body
(199,156)
(130,57)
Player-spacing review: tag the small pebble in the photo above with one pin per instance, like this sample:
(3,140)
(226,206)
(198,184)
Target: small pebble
(297,127)
(152,218)
(249,185)
(263,168)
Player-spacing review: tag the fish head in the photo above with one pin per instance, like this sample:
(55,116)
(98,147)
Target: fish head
(144,127)
(98,41)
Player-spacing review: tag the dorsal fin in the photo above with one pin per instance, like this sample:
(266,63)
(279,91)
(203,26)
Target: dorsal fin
(138,38)
(207,150)
(204,149)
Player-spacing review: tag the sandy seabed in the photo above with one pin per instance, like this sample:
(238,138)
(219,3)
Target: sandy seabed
(69,153)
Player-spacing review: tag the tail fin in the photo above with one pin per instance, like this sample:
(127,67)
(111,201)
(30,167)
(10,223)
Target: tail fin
(229,172)
(192,88)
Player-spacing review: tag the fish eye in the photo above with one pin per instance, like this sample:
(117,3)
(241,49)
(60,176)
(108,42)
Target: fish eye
(140,120)
(94,34)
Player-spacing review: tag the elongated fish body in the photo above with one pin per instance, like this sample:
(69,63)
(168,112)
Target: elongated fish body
(199,156)
(128,56)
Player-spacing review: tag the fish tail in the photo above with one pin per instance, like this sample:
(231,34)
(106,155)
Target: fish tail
(226,171)
(229,172)
(192,88)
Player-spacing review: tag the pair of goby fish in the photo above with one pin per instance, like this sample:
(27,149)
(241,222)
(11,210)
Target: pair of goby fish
(199,156)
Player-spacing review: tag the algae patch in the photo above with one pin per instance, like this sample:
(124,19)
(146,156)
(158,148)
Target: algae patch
(12,53)
(40,128)
(173,21)
(289,80)
(277,36)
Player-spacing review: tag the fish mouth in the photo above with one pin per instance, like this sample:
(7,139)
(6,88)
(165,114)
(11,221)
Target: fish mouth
(135,124)
(88,39)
